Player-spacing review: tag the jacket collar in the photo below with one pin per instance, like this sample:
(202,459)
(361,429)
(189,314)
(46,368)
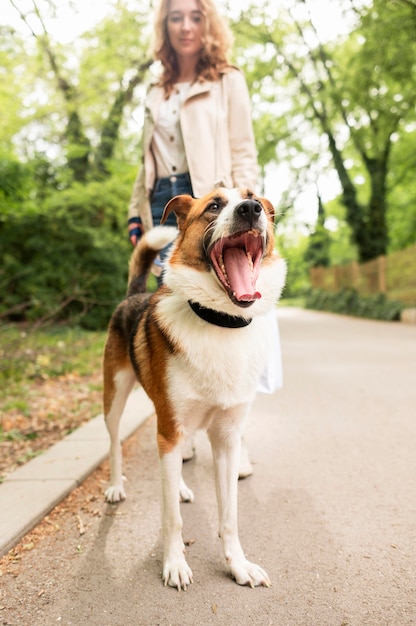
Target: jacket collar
(155,95)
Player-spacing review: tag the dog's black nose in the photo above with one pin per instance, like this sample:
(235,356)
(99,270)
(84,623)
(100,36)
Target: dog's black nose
(249,210)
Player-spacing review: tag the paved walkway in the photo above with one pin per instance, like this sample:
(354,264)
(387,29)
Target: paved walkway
(330,511)
(30,492)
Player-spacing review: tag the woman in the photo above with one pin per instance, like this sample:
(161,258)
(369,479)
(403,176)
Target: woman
(197,130)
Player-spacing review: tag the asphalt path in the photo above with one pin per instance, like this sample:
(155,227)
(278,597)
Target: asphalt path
(330,512)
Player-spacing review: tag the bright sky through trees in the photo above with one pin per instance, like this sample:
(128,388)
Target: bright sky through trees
(77,16)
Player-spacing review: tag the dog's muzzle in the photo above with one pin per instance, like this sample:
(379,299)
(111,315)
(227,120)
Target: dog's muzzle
(236,259)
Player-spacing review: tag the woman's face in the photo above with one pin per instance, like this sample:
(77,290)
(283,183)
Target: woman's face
(185,27)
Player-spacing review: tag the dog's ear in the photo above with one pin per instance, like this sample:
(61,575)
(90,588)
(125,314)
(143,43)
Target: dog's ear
(268,207)
(180,205)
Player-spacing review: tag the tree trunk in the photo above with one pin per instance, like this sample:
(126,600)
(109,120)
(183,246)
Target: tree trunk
(78,145)
(78,148)
(111,129)
(376,234)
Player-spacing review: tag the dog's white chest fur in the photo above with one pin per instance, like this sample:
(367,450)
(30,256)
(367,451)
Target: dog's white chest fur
(219,367)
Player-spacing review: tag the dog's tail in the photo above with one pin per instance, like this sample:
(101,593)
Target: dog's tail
(152,242)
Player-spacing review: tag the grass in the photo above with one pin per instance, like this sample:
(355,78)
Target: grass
(27,354)
(50,384)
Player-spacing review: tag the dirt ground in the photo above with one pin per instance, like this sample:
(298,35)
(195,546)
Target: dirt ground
(71,399)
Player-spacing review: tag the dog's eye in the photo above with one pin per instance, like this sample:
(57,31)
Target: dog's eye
(213,207)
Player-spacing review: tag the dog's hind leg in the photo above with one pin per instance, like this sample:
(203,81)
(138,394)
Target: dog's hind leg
(185,493)
(225,437)
(176,571)
(116,392)
(188,448)
(188,451)
(245,468)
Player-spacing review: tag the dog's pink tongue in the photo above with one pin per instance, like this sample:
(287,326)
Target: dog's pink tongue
(239,274)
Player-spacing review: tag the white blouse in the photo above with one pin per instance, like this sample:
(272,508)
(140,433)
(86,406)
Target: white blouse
(167,142)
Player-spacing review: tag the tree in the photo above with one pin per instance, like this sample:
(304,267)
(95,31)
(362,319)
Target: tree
(89,149)
(401,217)
(359,93)
(62,144)
(317,252)
(12,73)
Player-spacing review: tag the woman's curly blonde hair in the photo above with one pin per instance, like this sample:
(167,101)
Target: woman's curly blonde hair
(217,43)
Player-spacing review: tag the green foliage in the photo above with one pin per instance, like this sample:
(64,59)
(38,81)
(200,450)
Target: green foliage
(292,247)
(341,250)
(317,252)
(374,79)
(356,92)
(401,215)
(32,180)
(13,60)
(82,108)
(68,259)
(349,302)
(112,51)
(15,181)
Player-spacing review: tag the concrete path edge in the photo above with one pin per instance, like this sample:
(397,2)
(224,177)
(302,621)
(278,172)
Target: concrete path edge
(32,491)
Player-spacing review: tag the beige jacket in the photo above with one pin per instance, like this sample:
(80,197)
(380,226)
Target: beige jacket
(218,137)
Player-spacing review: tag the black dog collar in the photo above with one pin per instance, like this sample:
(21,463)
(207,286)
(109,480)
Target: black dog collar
(217,318)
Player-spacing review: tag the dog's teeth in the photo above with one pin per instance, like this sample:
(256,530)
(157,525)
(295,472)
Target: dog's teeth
(223,270)
(250,261)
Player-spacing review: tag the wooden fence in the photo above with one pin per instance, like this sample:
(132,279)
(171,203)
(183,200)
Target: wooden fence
(393,275)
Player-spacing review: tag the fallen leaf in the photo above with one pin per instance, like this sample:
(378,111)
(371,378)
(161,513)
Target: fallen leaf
(81,526)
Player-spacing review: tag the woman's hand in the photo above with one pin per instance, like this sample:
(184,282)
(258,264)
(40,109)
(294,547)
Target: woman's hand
(135,230)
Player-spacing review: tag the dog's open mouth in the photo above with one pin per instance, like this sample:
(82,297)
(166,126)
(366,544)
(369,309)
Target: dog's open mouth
(236,261)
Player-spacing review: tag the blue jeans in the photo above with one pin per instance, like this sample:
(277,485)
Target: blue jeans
(164,190)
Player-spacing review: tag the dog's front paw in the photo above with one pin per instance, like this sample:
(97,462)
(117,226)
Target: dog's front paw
(177,573)
(246,573)
(115,493)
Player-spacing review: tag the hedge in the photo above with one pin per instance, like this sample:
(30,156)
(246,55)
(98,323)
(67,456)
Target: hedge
(350,302)
(66,260)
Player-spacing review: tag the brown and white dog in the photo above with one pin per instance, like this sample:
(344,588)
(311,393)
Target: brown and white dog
(198,346)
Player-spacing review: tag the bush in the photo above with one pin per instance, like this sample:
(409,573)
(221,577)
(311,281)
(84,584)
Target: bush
(66,260)
(349,302)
